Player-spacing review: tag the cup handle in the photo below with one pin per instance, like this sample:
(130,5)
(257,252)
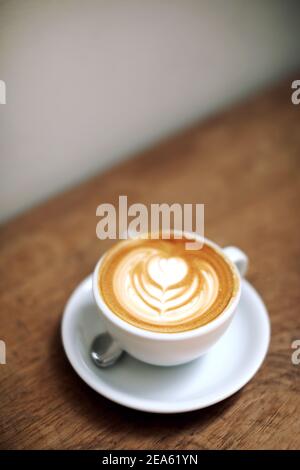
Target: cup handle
(238,257)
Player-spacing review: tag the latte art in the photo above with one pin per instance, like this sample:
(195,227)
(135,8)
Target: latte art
(157,288)
(161,286)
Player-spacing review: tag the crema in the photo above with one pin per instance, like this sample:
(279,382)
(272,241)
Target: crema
(161,286)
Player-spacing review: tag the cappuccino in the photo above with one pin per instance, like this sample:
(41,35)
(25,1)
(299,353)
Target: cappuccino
(160,286)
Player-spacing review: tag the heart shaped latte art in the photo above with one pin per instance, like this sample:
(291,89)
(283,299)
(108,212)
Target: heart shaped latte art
(156,286)
(166,271)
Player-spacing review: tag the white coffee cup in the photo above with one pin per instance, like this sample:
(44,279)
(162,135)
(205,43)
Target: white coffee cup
(169,349)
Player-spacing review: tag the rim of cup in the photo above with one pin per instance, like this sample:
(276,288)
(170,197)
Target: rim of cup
(143,333)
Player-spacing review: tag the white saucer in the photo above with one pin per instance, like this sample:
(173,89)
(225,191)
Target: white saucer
(226,368)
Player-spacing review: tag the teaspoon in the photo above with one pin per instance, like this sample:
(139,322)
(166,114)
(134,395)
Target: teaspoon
(105,351)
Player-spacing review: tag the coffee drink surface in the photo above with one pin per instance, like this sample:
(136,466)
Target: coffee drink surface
(159,285)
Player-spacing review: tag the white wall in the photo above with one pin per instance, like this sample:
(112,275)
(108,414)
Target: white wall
(89,82)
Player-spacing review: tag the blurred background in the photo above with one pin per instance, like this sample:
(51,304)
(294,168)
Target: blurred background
(89,83)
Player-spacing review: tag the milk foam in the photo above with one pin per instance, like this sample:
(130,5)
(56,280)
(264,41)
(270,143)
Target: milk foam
(158,288)
(159,285)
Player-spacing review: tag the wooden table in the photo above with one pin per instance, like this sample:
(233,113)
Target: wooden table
(244,165)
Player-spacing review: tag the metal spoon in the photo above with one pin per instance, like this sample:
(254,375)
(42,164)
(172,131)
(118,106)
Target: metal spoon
(105,351)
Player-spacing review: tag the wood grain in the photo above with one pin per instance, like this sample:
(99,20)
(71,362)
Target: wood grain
(244,165)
